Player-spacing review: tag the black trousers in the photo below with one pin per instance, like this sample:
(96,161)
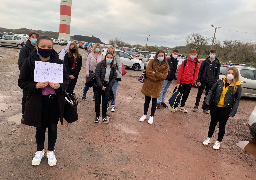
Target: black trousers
(23,103)
(221,115)
(49,118)
(72,85)
(184,90)
(146,105)
(208,86)
(98,94)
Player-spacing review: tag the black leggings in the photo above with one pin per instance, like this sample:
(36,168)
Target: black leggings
(221,115)
(146,105)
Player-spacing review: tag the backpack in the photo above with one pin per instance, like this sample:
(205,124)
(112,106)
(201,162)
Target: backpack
(185,62)
(142,77)
(174,100)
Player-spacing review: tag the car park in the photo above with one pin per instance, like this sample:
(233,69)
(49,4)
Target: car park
(147,59)
(13,40)
(63,42)
(252,123)
(131,51)
(247,76)
(56,41)
(129,61)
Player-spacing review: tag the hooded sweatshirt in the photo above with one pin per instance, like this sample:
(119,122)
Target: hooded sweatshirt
(189,73)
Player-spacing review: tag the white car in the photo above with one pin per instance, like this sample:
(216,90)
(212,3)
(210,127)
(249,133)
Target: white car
(129,61)
(13,40)
(252,123)
(247,76)
(56,41)
(148,58)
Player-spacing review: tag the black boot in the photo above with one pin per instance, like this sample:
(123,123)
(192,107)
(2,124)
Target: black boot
(22,119)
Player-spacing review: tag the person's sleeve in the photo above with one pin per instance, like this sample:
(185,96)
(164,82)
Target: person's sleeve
(88,64)
(211,92)
(66,64)
(180,72)
(201,71)
(22,57)
(196,74)
(237,101)
(218,72)
(161,75)
(97,75)
(79,65)
(23,81)
(66,80)
(149,71)
(120,68)
(112,82)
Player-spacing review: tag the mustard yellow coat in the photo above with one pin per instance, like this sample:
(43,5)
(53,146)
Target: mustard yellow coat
(154,82)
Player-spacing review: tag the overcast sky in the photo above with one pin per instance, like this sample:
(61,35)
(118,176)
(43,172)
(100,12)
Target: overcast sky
(167,22)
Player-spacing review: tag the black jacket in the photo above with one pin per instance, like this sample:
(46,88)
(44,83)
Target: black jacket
(32,116)
(231,99)
(100,72)
(172,68)
(25,52)
(204,68)
(68,61)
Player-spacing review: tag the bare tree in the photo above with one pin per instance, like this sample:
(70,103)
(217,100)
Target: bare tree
(196,41)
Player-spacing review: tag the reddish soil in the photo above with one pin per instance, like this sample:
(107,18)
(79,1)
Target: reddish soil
(125,148)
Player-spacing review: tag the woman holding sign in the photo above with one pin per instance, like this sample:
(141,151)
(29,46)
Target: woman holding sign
(73,64)
(45,100)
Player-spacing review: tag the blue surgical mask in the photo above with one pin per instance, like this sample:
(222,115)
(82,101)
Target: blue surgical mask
(160,58)
(109,60)
(97,49)
(212,56)
(192,57)
(33,41)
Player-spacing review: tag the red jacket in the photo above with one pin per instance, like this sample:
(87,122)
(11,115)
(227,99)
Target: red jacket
(188,74)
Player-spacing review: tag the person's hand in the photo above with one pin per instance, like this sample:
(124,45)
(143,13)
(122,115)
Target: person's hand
(87,75)
(54,85)
(103,88)
(71,77)
(177,85)
(198,83)
(40,85)
(207,104)
(153,72)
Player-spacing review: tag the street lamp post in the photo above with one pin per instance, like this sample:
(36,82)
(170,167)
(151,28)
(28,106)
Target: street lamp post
(214,34)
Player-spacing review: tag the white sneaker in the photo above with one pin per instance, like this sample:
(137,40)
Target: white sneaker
(183,110)
(150,121)
(216,145)
(207,141)
(143,118)
(113,108)
(51,158)
(38,157)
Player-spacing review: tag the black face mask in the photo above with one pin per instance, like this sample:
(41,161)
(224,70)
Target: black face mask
(72,50)
(45,52)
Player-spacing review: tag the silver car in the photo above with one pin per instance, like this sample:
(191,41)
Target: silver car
(13,40)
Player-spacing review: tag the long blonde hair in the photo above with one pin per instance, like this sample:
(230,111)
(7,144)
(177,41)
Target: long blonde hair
(235,74)
(114,51)
(94,48)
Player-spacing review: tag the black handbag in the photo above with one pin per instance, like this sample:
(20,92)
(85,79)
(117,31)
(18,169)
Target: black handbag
(70,109)
(90,80)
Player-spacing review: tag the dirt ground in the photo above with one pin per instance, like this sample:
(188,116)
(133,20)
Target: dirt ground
(125,148)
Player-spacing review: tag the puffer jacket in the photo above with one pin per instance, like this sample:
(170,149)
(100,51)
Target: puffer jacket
(188,74)
(25,52)
(232,98)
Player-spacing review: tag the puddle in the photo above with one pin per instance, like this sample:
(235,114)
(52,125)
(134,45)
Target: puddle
(249,147)
(16,118)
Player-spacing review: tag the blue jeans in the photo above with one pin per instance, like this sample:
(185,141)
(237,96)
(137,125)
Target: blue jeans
(86,88)
(114,88)
(164,89)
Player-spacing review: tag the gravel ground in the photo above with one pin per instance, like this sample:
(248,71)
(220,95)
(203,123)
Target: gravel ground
(171,148)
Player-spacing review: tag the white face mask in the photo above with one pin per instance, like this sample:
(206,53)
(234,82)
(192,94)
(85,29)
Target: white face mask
(174,56)
(230,76)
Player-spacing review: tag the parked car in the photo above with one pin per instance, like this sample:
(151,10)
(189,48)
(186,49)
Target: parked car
(131,51)
(56,41)
(12,40)
(247,76)
(63,42)
(252,123)
(147,59)
(129,61)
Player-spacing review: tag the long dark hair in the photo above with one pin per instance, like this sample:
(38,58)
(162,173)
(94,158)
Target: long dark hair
(158,62)
(77,51)
(104,61)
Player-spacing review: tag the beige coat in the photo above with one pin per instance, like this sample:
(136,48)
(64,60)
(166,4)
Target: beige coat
(154,82)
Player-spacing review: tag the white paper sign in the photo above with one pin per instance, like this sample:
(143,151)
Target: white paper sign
(45,71)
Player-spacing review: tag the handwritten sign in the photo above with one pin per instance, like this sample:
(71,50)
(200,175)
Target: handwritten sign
(45,71)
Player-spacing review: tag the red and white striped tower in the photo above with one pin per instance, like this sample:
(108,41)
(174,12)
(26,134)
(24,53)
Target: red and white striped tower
(65,19)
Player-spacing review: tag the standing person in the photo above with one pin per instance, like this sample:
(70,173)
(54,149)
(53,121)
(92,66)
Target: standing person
(187,76)
(45,100)
(105,78)
(156,71)
(118,64)
(173,62)
(207,76)
(24,54)
(92,60)
(224,98)
(73,64)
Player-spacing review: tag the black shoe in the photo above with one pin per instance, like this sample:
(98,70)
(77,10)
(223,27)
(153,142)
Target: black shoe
(164,105)
(22,119)
(93,98)
(97,119)
(105,120)
(195,108)
(84,97)
(158,106)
